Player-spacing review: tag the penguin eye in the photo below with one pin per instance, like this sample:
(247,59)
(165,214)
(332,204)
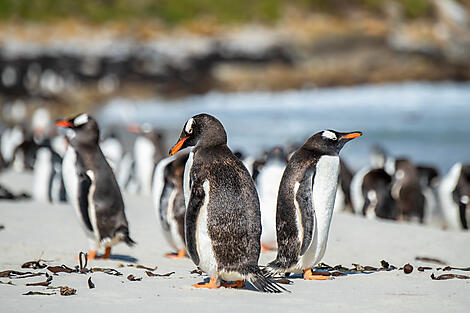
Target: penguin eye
(190,131)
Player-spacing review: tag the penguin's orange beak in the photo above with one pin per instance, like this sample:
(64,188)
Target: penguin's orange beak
(134,128)
(178,145)
(64,124)
(352,135)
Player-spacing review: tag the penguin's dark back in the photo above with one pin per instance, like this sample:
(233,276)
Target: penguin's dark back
(233,211)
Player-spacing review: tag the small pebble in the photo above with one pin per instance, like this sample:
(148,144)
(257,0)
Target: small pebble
(408,268)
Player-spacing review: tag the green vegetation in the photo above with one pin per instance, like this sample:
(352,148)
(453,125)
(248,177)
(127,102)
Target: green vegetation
(177,11)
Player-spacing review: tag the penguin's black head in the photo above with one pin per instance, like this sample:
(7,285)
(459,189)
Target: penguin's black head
(329,142)
(202,130)
(276,154)
(81,130)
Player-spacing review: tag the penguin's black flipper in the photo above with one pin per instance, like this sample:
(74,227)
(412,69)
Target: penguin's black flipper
(260,280)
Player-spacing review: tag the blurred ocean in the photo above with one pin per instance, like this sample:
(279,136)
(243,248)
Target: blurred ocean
(427,122)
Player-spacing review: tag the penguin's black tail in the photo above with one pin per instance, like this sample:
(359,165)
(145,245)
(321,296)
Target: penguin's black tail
(275,267)
(128,240)
(125,236)
(260,280)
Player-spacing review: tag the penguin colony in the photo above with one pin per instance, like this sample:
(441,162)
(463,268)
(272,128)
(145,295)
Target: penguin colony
(207,199)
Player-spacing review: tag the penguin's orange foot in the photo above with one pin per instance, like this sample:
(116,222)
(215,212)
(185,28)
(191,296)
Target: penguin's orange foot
(212,284)
(235,284)
(92,255)
(265,248)
(107,253)
(181,254)
(309,276)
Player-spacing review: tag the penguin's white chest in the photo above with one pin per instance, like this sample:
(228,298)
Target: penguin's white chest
(207,261)
(324,188)
(187,178)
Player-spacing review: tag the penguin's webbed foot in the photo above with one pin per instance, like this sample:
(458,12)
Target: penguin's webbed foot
(212,284)
(308,275)
(179,255)
(235,284)
(107,253)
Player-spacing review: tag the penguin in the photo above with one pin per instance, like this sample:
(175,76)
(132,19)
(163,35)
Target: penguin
(112,150)
(377,194)
(406,190)
(48,185)
(168,198)
(429,180)
(343,193)
(268,181)
(92,187)
(378,160)
(454,194)
(223,220)
(305,203)
(148,151)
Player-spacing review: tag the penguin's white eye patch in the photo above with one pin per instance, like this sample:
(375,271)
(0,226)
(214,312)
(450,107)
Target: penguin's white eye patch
(329,135)
(189,126)
(80,120)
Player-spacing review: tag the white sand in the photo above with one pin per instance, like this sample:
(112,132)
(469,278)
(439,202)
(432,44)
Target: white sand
(51,232)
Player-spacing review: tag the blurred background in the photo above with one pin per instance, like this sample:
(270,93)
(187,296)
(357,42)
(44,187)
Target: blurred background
(273,71)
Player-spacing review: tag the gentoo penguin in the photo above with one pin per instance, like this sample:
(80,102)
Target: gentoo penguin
(454,193)
(343,194)
(168,198)
(48,184)
(91,186)
(305,203)
(406,190)
(429,180)
(378,160)
(223,220)
(377,194)
(148,151)
(268,181)
(112,150)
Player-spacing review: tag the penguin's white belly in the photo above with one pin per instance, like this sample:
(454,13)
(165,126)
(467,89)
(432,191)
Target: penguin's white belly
(450,209)
(323,196)
(42,175)
(269,181)
(356,190)
(71,186)
(144,152)
(207,261)
(176,240)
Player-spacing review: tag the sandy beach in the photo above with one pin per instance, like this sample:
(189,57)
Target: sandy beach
(51,232)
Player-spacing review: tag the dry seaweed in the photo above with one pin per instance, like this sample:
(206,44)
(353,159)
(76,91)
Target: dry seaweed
(67,291)
(34,265)
(133,278)
(47,282)
(90,283)
(196,271)
(407,268)
(424,268)
(82,262)
(146,268)
(150,274)
(16,274)
(449,276)
(336,273)
(109,271)
(38,293)
(61,269)
(283,281)
(8,283)
(427,259)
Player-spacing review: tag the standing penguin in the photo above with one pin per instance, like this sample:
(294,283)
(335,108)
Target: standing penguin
(268,185)
(168,198)
(223,220)
(91,186)
(305,203)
